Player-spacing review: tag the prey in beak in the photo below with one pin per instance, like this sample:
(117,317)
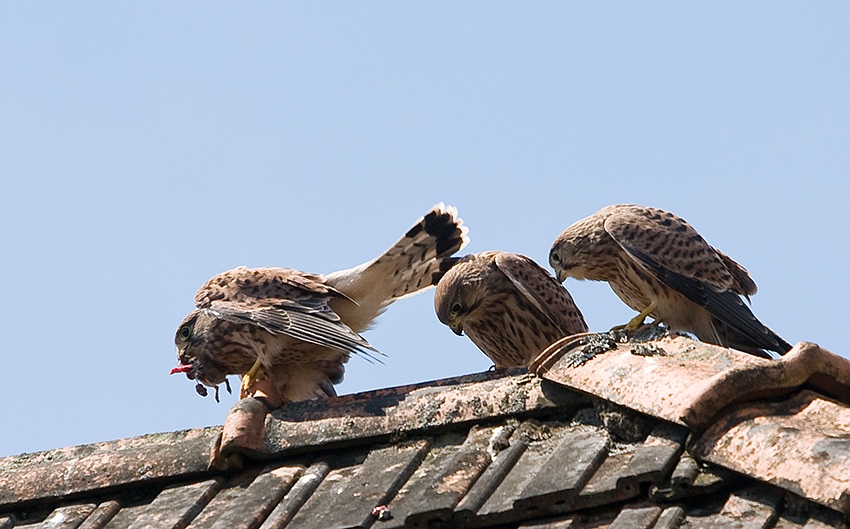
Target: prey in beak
(189,369)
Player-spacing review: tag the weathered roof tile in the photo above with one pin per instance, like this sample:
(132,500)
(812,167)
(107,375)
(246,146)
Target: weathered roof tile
(347,496)
(69,516)
(443,479)
(297,496)
(495,473)
(629,466)
(378,415)
(751,508)
(637,517)
(173,507)
(607,484)
(801,444)
(249,498)
(567,467)
(670,518)
(101,515)
(71,471)
(682,380)
(690,478)
(657,455)
(558,461)
(490,450)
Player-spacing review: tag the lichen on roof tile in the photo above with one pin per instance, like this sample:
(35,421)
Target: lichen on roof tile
(686,381)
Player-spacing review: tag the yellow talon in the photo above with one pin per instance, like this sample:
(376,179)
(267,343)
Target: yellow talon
(637,322)
(248,379)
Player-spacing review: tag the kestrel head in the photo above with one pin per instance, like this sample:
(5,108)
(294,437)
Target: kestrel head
(580,250)
(570,253)
(459,292)
(193,343)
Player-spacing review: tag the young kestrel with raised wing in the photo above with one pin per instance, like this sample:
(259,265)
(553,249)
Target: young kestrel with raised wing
(661,267)
(297,329)
(508,305)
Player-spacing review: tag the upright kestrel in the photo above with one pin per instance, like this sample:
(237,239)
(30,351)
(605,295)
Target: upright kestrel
(661,267)
(297,329)
(508,305)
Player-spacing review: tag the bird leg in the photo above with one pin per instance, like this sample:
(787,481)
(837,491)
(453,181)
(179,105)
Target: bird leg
(637,322)
(248,379)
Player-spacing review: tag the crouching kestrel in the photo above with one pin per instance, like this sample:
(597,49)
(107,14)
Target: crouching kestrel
(297,329)
(508,305)
(661,267)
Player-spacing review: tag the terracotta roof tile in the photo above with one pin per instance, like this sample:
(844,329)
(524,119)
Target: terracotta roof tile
(347,496)
(502,463)
(64,517)
(623,474)
(297,496)
(670,518)
(69,516)
(682,380)
(637,517)
(489,450)
(248,498)
(445,477)
(801,444)
(532,482)
(101,515)
(690,478)
(173,507)
(76,470)
(381,414)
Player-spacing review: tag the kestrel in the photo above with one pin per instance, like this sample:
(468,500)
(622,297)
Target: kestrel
(508,305)
(661,267)
(297,329)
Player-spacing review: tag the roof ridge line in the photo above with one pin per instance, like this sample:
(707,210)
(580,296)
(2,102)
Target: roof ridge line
(384,414)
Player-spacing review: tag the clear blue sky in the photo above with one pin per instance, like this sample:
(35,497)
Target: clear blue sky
(147,146)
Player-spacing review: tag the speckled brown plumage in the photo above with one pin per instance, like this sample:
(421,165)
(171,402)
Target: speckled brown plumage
(508,305)
(652,257)
(301,326)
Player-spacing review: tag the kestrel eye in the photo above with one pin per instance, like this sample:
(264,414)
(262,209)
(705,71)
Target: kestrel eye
(456,308)
(554,258)
(185,332)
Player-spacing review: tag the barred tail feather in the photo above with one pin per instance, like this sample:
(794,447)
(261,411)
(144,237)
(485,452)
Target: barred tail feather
(406,268)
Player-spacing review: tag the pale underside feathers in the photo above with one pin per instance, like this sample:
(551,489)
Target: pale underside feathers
(653,258)
(303,327)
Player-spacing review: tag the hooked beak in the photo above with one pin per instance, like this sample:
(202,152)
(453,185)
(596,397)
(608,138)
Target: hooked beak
(561,274)
(457,328)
